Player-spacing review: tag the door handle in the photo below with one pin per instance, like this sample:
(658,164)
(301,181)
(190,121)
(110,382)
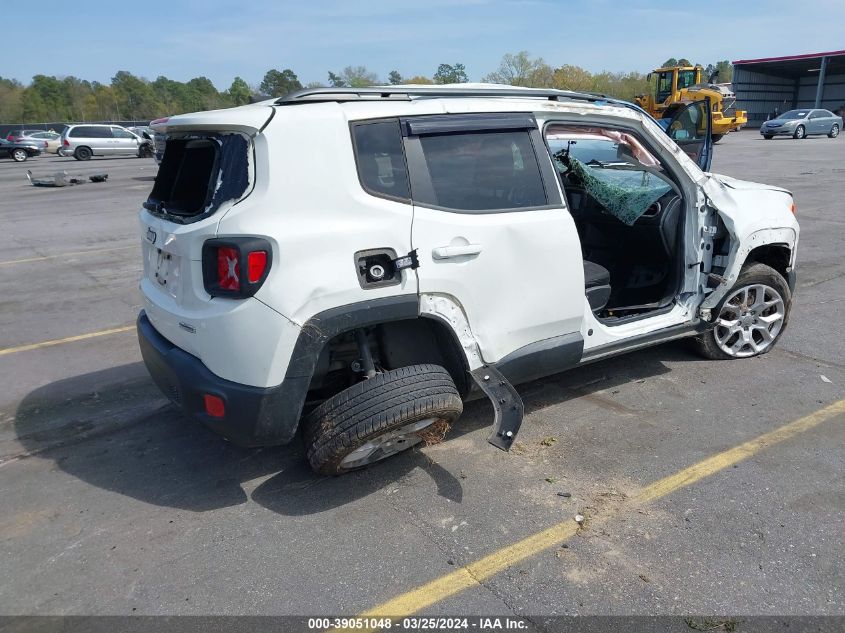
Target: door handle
(446,252)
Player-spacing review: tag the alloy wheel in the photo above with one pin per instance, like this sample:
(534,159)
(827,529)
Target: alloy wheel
(750,320)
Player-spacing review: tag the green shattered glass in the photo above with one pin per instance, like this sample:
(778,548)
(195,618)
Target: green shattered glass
(623,193)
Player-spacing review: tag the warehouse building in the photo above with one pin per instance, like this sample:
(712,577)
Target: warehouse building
(816,80)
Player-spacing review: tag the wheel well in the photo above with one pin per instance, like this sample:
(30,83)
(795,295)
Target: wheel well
(776,256)
(392,344)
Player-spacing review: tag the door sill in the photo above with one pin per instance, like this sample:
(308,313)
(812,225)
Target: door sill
(614,321)
(663,335)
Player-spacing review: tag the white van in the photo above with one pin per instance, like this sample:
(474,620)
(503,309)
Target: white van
(84,141)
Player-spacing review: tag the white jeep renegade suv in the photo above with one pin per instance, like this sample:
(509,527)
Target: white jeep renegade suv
(359,262)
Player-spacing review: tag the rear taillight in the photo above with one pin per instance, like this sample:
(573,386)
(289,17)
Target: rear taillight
(256,265)
(235,266)
(66,143)
(228,268)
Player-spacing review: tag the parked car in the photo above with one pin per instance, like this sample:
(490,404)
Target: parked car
(429,245)
(147,133)
(86,140)
(802,123)
(52,140)
(18,152)
(27,137)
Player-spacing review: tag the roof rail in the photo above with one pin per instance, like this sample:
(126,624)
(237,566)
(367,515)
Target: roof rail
(405,93)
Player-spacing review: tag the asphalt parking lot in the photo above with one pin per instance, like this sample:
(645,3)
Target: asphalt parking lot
(112,503)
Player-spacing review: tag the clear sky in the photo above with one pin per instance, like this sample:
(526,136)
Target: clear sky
(220,39)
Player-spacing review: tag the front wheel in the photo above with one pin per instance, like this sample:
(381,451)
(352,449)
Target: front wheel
(751,318)
(834,131)
(379,417)
(718,137)
(19,155)
(800,132)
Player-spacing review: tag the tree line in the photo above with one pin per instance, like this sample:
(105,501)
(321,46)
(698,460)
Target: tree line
(129,97)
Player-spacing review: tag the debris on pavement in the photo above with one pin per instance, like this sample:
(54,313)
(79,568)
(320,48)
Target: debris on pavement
(62,179)
(825,379)
(712,624)
(564,494)
(579,519)
(548,441)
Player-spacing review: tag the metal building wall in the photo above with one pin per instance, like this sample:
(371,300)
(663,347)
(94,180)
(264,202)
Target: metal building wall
(833,97)
(759,94)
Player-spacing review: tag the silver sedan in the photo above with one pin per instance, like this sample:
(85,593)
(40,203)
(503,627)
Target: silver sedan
(803,123)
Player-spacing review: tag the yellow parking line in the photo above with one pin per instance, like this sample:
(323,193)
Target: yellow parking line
(69,339)
(473,574)
(26,260)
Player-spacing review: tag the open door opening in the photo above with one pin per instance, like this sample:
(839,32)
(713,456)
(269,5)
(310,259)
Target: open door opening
(629,215)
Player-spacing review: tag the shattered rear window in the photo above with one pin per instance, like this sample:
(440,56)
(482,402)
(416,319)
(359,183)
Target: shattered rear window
(198,174)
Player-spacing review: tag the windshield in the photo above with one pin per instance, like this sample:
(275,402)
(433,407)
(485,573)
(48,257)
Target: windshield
(794,114)
(601,151)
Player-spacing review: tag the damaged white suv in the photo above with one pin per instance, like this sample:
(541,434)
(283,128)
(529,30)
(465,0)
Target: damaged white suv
(360,262)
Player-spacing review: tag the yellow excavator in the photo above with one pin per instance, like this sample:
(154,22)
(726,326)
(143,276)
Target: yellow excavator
(679,85)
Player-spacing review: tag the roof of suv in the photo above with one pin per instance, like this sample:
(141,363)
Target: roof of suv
(474,91)
(402,100)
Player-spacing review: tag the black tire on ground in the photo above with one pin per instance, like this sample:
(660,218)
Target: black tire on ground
(751,274)
(19,155)
(718,137)
(834,131)
(82,153)
(800,132)
(377,407)
(768,137)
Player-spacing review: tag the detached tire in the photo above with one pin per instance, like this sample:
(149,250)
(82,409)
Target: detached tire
(379,417)
(751,318)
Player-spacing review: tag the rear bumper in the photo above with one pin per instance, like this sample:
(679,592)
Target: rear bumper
(254,416)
